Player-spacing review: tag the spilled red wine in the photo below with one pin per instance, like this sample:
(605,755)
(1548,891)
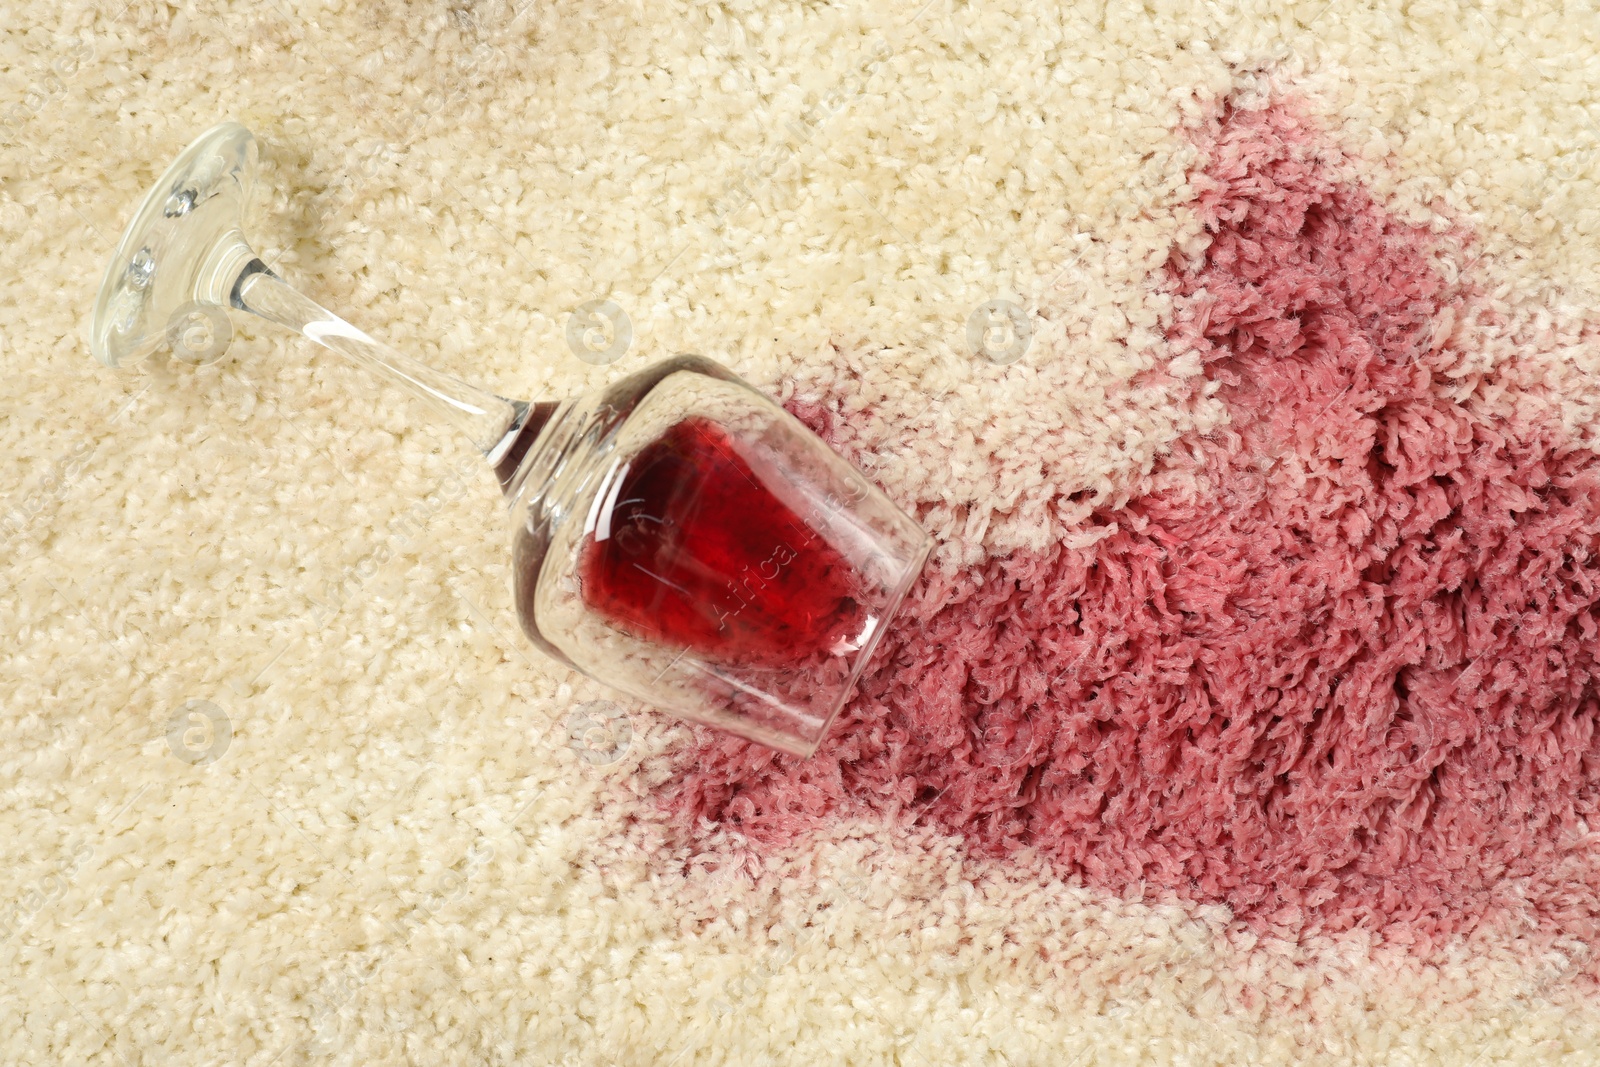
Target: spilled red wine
(696,552)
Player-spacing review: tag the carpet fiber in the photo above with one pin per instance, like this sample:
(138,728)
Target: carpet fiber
(1238,356)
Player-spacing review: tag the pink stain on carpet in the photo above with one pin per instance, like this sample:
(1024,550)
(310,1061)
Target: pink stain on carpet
(1335,667)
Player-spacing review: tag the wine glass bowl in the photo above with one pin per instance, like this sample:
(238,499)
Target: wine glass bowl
(692,544)
(677,536)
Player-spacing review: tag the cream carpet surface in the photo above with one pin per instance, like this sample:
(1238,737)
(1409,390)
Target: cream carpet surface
(1240,357)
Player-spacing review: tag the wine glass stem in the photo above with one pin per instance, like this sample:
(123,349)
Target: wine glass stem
(491,422)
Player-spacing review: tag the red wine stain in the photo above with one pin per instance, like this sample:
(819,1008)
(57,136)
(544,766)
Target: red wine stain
(697,552)
(1335,665)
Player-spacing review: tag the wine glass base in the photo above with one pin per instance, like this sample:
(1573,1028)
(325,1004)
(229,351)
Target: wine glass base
(183,248)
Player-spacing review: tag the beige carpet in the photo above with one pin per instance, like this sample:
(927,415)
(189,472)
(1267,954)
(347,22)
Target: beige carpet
(280,781)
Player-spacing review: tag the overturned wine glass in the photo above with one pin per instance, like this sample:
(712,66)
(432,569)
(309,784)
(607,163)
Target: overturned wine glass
(676,536)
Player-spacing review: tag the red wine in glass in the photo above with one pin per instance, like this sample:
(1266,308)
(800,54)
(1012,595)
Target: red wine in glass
(725,556)
(698,554)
